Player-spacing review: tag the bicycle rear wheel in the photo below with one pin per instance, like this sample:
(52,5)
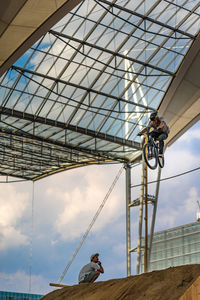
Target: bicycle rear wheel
(150,156)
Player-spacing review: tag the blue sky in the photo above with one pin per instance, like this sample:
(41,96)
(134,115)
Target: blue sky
(63,207)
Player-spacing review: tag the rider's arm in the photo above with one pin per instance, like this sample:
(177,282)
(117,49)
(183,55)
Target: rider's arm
(142,131)
(145,129)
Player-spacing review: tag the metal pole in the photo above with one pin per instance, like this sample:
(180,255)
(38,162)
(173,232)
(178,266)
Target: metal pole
(146,217)
(140,222)
(154,211)
(128,200)
(146,222)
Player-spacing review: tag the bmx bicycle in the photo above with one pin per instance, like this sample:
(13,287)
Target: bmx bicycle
(150,151)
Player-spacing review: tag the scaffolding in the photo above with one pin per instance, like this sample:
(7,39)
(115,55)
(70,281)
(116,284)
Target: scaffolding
(143,203)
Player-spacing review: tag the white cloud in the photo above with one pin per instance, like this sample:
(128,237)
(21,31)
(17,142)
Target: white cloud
(12,208)
(190,203)
(11,237)
(119,249)
(184,208)
(71,199)
(81,204)
(20,282)
(178,161)
(191,134)
(116,268)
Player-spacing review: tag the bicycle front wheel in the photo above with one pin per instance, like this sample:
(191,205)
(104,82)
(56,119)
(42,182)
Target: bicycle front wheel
(150,156)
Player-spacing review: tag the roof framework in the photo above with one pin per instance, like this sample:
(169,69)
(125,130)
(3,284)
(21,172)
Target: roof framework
(82,92)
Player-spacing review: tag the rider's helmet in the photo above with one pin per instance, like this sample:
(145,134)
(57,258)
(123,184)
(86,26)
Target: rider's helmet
(153,116)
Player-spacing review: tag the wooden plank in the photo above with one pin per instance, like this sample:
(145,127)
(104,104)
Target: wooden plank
(193,292)
(58,285)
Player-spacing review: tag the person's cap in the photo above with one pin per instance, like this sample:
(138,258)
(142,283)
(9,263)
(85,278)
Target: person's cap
(93,255)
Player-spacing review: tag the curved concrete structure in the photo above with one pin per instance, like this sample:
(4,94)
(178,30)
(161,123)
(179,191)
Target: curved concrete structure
(181,104)
(23,22)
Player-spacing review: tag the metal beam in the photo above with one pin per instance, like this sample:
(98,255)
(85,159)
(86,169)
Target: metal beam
(100,154)
(138,264)
(57,124)
(89,90)
(16,137)
(128,231)
(11,175)
(146,216)
(114,54)
(176,30)
(69,167)
(58,285)
(119,31)
(86,66)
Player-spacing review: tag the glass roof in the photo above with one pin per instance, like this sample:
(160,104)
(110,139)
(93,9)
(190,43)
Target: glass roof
(81,94)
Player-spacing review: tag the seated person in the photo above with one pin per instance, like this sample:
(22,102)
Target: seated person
(91,271)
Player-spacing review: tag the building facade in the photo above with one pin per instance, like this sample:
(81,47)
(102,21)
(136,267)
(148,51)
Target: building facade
(175,246)
(18,296)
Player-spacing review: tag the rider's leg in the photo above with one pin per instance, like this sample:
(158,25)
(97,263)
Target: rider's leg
(161,139)
(154,134)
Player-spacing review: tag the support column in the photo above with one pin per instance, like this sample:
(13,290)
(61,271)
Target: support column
(146,219)
(128,234)
(154,212)
(138,264)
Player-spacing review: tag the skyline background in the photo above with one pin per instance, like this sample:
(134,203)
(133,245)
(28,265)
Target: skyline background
(33,255)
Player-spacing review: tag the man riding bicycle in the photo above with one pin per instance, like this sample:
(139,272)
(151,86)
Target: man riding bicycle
(160,132)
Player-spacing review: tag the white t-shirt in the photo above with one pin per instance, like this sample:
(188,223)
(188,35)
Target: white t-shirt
(87,269)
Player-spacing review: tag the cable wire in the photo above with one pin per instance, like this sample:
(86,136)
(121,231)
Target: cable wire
(167,178)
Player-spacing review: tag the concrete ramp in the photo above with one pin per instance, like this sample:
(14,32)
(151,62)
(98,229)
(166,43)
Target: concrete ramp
(175,283)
